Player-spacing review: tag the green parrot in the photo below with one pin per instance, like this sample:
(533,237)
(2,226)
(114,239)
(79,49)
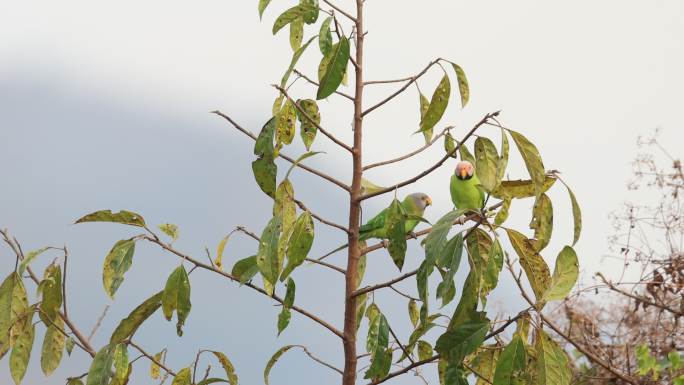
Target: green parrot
(414,204)
(463,188)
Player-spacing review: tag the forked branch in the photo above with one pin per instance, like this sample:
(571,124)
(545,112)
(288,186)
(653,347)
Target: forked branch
(410,154)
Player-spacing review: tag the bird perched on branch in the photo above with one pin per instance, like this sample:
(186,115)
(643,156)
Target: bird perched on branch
(465,189)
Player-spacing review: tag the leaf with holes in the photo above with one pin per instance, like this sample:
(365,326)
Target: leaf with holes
(299,244)
(533,161)
(535,267)
(463,88)
(542,222)
(53,347)
(267,256)
(309,122)
(116,264)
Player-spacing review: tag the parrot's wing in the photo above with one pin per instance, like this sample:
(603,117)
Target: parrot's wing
(376,223)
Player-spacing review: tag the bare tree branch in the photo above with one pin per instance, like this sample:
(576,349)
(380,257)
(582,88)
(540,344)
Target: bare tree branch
(313,357)
(403,88)
(301,75)
(410,154)
(151,358)
(281,155)
(340,10)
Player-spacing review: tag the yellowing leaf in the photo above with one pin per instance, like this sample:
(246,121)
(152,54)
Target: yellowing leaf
(170,229)
(267,256)
(424,105)
(542,222)
(123,216)
(424,350)
(368,187)
(462,84)
(577,216)
(21,352)
(155,370)
(519,189)
(30,256)
(533,160)
(325,36)
(486,162)
(290,16)
(299,244)
(274,359)
(535,267)
(51,288)
(552,363)
(183,377)
(296,33)
(116,264)
(309,121)
(176,296)
(219,252)
(511,364)
(285,123)
(13,305)
(262,7)
(228,367)
(438,104)
(413,312)
(564,275)
(129,325)
(502,214)
(53,347)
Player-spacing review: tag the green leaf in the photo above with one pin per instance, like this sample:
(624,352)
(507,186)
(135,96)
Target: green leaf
(502,214)
(13,306)
(360,309)
(450,259)
(335,70)
(552,362)
(438,104)
(368,187)
(542,221)
(183,377)
(299,160)
(487,160)
(296,33)
(116,264)
(267,256)
(533,161)
(455,344)
(675,360)
(521,188)
(309,127)
(535,267)
(120,363)
(424,105)
(21,352)
(299,244)
(283,319)
(325,37)
(413,312)
(312,10)
(450,145)
(245,269)
(511,364)
(564,275)
(129,325)
(462,84)
(503,159)
(285,123)
(485,364)
(424,350)
(576,215)
(53,347)
(434,244)
(70,345)
(381,357)
(30,256)
(283,81)
(228,367)
(274,359)
(75,381)
(486,259)
(396,231)
(454,374)
(290,16)
(176,296)
(265,171)
(466,310)
(101,368)
(465,153)
(262,7)
(51,287)
(170,229)
(123,216)
(263,146)
(209,381)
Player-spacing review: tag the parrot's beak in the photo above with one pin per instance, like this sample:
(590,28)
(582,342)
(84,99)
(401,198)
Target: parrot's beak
(464,173)
(428,201)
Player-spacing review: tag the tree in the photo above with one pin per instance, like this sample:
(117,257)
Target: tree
(634,326)
(471,345)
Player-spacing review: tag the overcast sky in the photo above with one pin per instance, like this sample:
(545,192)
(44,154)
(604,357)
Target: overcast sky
(105,105)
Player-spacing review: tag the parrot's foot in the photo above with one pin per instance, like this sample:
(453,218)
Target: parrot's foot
(384,243)
(413,235)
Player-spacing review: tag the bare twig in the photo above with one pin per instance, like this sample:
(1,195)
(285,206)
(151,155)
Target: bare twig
(151,358)
(403,349)
(98,323)
(436,165)
(643,299)
(410,154)
(411,80)
(313,357)
(340,10)
(310,119)
(319,218)
(281,155)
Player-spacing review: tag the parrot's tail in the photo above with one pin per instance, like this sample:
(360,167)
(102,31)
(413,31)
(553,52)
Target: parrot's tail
(333,252)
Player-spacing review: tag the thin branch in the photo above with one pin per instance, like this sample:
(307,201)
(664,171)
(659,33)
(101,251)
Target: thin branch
(403,349)
(327,365)
(643,299)
(401,293)
(405,370)
(310,119)
(340,10)
(319,218)
(281,155)
(98,323)
(410,154)
(388,81)
(411,80)
(476,373)
(64,279)
(165,246)
(151,358)
(301,75)
(436,165)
